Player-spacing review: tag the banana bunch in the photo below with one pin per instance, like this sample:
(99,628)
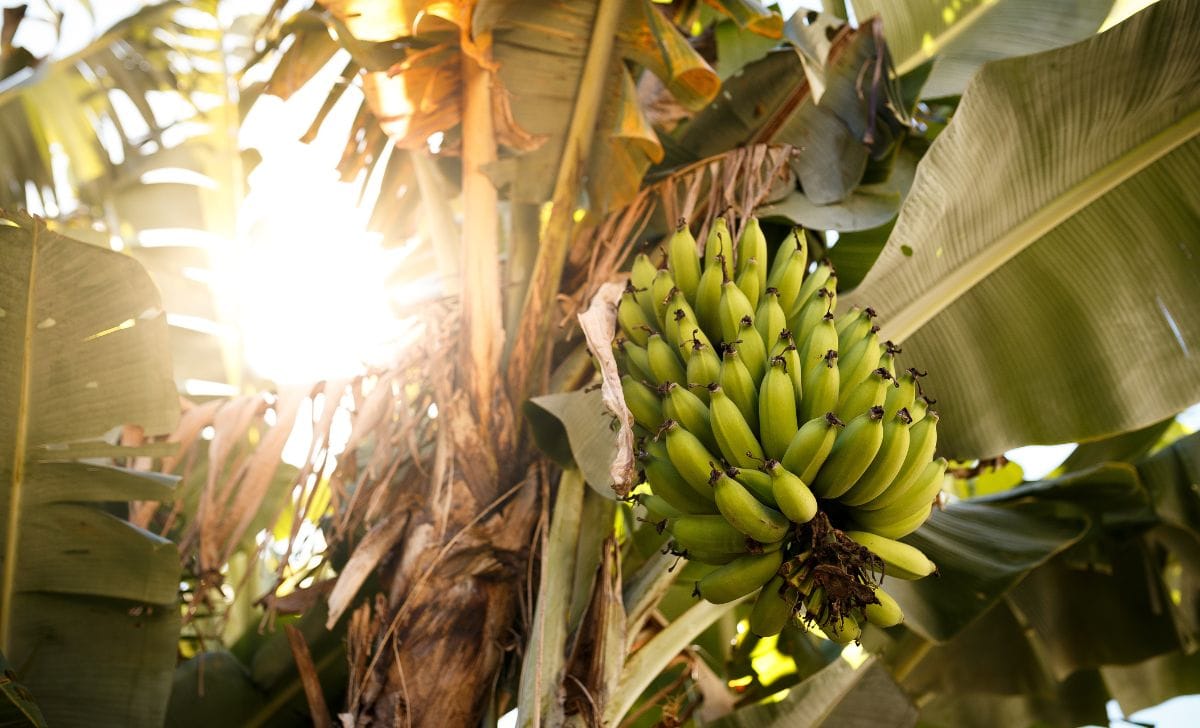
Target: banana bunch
(779,441)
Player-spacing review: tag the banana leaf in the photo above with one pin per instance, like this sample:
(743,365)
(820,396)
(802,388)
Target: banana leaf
(1043,264)
(87,600)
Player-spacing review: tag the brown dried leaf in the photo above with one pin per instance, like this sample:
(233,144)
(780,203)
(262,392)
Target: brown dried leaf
(599,326)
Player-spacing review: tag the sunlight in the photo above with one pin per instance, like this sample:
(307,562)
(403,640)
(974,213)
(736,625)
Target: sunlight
(306,280)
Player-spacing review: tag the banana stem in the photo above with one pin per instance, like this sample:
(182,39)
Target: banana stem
(911,657)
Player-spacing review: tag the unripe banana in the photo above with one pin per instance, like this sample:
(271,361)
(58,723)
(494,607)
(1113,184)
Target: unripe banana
(681,405)
(681,325)
(756,481)
(708,299)
(886,613)
(871,392)
(719,244)
(660,292)
(658,509)
(751,349)
(753,245)
(899,559)
(665,481)
(891,528)
(642,278)
(665,363)
(735,439)
(739,577)
(745,512)
(853,325)
(886,464)
(710,558)
(811,445)
(684,261)
(632,318)
(731,309)
(643,403)
(748,282)
(777,409)
(805,319)
(740,386)
(793,497)
(909,512)
(703,368)
(769,318)
(794,367)
(922,443)
(634,360)
(821,339)
(791,256)
(813,283)
(919,408)
(852,453)
(791,280)
(688,455)
(772,608)
(820,384)
(708,534)
(902,395)
(857,364)
(842,630)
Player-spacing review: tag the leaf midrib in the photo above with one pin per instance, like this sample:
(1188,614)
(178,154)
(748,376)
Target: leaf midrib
(953,30)
(9,577)
(920,310)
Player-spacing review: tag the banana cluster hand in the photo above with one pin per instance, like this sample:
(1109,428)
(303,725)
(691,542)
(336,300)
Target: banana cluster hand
(776,438)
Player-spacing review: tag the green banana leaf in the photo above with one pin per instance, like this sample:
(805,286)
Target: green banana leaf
(1043,265)
(962,35)
(87,600)
(575,428)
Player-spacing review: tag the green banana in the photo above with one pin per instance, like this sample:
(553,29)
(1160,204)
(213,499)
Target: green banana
(756,481)
(772,608)
(907,514)
(886,613)
(665,481)
(740,386)
(664,360)
(857,364)
(731,309)
(751,349)
(643,403)
(708,534)
(811,446)
(793,366)
(642,278)
(769,318)
(843,630)
(789,259)
(660,292)
(689,456)
(821,339)
(681,325)
(853,326)
(632,318)
(718,248)
(813,283)
(703,367)
(805,319)
(777,409)
(871,392)
(899,559)
(735,438)
(636,361)
(748,281)
(852,453)
(658,509)
(708,298)
(922,443)
(681,405)
(820,386)
(753,245)
(887,462)
(739,506)
(739,577)
(919,408)
(791,279)
(683,260)
(793,497)
(901,396)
